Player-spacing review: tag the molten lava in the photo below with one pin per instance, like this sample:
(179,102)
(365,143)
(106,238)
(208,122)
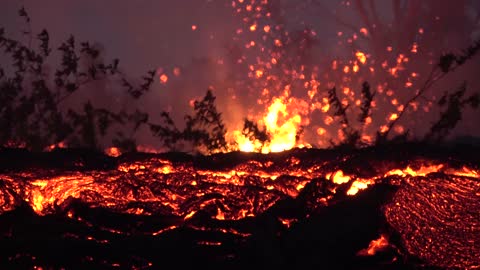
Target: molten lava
(434,202)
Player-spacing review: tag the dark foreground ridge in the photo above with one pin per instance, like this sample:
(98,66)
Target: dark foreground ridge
(76,209)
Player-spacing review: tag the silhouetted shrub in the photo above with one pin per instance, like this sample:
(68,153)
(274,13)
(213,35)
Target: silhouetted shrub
(204,129)
(31,101)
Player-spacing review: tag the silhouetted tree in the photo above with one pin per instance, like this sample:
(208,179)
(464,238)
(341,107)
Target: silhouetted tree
(448,63)
(31,113)
(167,131)
(366,107)
(204,129)
(449,118)
(253,132)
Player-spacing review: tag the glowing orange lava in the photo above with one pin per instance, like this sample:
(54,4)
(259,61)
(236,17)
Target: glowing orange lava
(282,123)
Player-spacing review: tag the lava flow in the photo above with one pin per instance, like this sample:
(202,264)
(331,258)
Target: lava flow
(227,196)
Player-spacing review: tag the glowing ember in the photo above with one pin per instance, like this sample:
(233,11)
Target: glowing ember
(361,57)
(113,151)
(375,246)
(163,78)
(56,146)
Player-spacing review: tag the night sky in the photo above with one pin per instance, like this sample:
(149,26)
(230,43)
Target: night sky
(143,34)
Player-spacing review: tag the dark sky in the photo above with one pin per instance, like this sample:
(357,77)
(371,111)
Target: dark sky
(148,34)
(143,33)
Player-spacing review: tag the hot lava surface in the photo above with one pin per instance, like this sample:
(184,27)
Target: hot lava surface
(389,207)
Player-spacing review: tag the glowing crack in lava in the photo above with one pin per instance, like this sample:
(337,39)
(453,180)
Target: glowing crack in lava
(434,210)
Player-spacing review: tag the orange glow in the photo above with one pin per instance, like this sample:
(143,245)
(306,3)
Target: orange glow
(189,215)
(393,116)
(364,31)
(176,71)
(358,185)
(321,131)
(375,246)
(328,120)
(464,171)
(163,78)
(399,129)
(355,68)
(393,71)
(325,109)
(54,146)
(414,48)
(113,152)
(281,120)
(220,215)
(361,57)
(334,65)
(422,171)
(338,177)
(287,222)
(283,133)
